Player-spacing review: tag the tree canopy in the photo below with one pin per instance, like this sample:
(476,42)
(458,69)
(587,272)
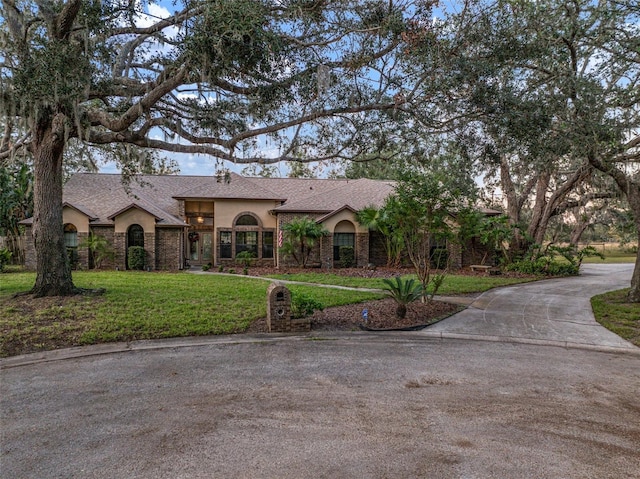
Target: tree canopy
(239,80)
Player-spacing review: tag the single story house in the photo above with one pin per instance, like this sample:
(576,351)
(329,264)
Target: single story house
(183,221)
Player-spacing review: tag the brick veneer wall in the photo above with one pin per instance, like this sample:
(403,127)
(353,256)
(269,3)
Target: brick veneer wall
(29,250)
(120,245)
(377,253)
(473,252)
(362,249)
(168,251)
(83,252)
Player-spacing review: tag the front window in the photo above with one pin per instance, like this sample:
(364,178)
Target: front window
(225,244)
(267,244)
(247,220)
(71,243)
(247,241)
(342,239)
(135,236)
(70,236)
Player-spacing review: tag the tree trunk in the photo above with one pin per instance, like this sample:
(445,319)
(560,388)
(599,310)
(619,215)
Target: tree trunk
(634,292)
(631,189)
(577,232)
(52,265)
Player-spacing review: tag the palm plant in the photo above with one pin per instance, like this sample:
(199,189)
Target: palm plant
(380,220)
(301,235)
(403,292)
(100,249)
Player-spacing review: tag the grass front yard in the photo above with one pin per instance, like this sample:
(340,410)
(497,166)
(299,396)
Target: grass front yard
(611,310)
(138,306)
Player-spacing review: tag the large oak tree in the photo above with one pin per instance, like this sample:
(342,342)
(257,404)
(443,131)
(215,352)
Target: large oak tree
(545,92)
(226,78)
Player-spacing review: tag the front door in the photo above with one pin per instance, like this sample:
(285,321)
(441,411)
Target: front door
(200,247)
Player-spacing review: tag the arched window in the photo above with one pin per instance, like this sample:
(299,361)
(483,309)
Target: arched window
(70,236)
(246,234)
(71,243)
(246,220)
(135,236)
(344,242)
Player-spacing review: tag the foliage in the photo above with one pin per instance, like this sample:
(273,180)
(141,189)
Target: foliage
(206,267)
(439,258)
(495,232)
(5,257)
(546,261)
(347,256)
(99,247)
(218,78)
(136,257)
(303,305)
(300,236)
(382,221)
(16,204)
(425,201)
(403,292)
(245,258)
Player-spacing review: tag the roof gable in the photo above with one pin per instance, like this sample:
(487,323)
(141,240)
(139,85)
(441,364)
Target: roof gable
(333,213)
(130,207)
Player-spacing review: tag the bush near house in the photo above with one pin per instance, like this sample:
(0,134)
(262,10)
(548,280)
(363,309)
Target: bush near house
(347,256)
(5,257)
(135,257)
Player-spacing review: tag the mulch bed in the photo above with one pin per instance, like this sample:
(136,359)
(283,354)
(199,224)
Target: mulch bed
(381,314)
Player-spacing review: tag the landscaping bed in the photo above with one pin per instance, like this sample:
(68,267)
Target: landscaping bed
(381,315)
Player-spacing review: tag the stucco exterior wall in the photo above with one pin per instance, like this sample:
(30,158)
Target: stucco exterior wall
(332,222)
(134,216)
(168,249)
(77,219)
(225,211)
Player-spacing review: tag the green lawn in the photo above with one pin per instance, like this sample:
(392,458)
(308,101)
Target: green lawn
(612,254)
(453,283)
(138,306)
(617,316)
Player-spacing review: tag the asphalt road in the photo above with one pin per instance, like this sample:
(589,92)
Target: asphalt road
(358,405)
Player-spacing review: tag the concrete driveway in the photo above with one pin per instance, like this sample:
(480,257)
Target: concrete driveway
(556,311)
(358,405)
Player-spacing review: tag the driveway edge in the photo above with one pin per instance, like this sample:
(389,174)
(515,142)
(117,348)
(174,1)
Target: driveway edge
(194,341)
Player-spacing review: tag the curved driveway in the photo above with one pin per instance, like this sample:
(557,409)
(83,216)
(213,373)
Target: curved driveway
(556,311)
(361,405)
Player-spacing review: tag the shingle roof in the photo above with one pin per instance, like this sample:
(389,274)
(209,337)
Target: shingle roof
(357,194)
(102,196)
(238,187)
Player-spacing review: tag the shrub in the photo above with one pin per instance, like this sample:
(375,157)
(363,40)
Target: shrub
(303,305)
(135,257)
(206,267)
(546,263)
(245,258)
(403,292)
(5,257)
(221,268)
(347,256)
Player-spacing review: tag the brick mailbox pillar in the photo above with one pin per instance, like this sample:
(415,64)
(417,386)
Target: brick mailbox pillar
(279,312)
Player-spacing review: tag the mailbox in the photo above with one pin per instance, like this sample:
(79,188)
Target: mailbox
(278,308)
